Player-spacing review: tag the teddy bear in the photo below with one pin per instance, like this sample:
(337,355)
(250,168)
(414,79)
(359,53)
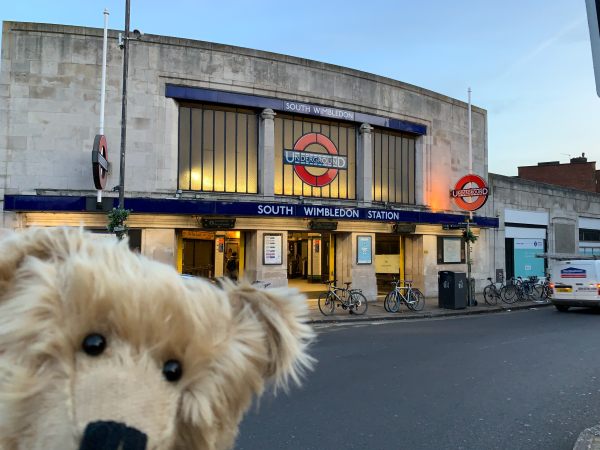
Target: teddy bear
(103,348)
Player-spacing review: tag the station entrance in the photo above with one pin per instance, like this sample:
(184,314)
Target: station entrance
(398,257)
(212,254)
(311,260)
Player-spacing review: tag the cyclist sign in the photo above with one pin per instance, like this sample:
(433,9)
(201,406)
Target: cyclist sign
(472,197)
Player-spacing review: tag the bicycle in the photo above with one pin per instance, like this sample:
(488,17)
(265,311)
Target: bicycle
(510,292)
(491,293)
(544,290)
(522,290)
(351,299)
(403,292)
(506,293)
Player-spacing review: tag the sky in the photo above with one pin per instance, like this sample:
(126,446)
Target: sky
(528,62)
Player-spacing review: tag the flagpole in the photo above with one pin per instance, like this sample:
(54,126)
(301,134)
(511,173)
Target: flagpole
(470,292)
(103,88)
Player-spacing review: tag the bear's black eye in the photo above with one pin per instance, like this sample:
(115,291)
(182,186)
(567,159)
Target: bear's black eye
(93,344)
(172,370)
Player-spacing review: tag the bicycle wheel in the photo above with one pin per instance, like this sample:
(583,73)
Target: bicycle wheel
(537,293)
(391,302)
(386,301)
(490,295)
(546,292)
(359,301)
(508,293)
(326,303)
(416,302)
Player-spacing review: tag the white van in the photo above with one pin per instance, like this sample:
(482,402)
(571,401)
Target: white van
(575,283)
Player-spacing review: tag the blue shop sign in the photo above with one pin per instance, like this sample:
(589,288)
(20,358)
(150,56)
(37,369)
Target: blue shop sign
(248,209)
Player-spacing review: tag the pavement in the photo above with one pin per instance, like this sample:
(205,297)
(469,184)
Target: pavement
(589,439)
(376,311)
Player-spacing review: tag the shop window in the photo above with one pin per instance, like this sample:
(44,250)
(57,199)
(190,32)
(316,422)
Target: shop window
(218,149)
(589,251)
(450,250)
(393,167)
(589,235)
(322,177)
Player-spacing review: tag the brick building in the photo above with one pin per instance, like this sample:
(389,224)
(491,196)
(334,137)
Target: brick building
(577,174)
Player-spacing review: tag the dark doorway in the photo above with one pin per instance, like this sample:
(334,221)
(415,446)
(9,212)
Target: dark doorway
(199,257)
(509,252)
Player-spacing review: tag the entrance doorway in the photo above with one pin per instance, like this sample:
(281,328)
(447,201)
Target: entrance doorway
(199,256)
(310,260)
(387,260)
(398,256)
(212,254)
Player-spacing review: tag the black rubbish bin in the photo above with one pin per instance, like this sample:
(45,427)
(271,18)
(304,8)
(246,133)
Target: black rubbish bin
(452,287)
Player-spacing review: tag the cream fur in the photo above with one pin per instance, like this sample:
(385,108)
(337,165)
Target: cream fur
(58,285)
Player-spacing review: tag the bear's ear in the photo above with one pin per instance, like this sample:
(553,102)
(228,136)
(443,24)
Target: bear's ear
(283,315)
(41,243)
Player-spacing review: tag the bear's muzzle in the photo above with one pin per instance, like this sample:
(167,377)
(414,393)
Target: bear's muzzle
(112,436)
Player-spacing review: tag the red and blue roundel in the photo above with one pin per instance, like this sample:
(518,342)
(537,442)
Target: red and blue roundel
(479,192)
(335,163)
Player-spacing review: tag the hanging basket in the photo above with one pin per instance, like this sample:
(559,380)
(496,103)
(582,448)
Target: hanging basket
(116,221)
(469,237)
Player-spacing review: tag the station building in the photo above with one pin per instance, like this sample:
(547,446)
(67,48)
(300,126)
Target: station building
(307,171)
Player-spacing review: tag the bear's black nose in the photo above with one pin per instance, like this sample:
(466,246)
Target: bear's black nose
(112,436)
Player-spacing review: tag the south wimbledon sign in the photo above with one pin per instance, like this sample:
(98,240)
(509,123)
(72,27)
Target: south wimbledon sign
(480,192)
(214,208)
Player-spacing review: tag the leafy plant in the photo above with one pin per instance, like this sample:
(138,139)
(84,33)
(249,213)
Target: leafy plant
(116,221)
(469,236)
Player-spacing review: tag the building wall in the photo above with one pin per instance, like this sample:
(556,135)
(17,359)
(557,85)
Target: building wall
(50,93)
(575,175)
(565,209)
(50,81)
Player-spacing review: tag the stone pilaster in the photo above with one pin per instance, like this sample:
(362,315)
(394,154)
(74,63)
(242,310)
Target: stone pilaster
(362,276)
(266,153)
(364,165)
(255,269)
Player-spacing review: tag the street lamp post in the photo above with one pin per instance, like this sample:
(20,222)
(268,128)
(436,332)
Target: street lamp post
(124,108)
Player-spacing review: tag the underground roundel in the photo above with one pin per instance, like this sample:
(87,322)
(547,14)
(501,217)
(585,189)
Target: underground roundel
(303,159)
(100,161)
(472,197)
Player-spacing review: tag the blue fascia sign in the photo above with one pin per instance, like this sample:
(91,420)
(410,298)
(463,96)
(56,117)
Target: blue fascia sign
(24,203)
(190,93)
(316,110)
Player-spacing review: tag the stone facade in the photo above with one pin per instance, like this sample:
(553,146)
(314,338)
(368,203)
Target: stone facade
(50,90)
(50,83)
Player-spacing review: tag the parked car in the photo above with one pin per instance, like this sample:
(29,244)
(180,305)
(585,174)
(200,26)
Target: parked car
(575,283)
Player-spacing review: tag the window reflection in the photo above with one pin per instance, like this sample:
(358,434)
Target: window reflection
(218,149)
(393,167)
(288,129)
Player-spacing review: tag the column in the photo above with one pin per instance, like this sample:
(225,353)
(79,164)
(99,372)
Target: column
(266,153)
(160,245)
(364,165)
(362,276)
(255,269)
